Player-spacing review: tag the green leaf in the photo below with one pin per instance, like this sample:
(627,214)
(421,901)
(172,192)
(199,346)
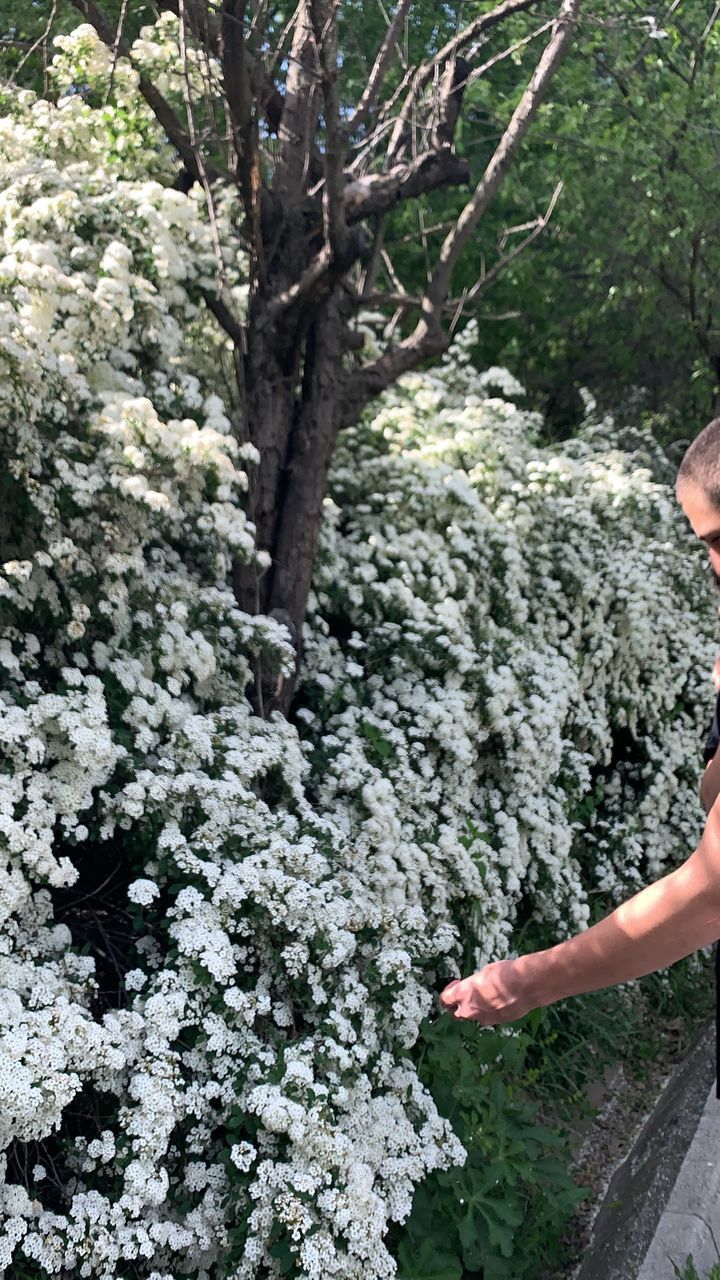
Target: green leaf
(283,1255)
(427,1262)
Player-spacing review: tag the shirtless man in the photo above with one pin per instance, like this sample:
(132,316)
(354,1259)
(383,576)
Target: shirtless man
(676,915)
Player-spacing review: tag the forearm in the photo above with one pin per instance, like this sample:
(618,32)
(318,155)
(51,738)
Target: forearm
(661,924)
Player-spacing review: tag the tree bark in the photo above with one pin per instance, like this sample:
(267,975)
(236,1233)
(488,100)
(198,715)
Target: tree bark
(311,445)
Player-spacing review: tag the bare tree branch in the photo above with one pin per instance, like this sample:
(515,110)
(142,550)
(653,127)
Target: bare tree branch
(373,264)
(424,74)
(238,84)
(435,229)
(325,28)
(408,302)
(300,106)
(392,273)
(379,192)
(428,338)
(385,122)
(379,70)
(478,72)
(401,298)
(116,48)
(710,23)
(534,228)
(40,43)
(450,101)
(238,91)
(226,319)
(505,151)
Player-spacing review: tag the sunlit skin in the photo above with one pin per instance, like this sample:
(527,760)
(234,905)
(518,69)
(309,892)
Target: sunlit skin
(663,923)
(704,520)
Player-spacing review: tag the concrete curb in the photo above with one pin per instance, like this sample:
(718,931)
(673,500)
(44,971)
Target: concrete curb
(663,1200)
(691,1221)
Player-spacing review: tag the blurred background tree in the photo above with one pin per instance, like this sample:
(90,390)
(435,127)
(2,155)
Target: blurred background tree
(619,292)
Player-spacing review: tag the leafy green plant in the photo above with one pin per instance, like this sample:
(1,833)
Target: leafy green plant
(503,1212)
(509,1091)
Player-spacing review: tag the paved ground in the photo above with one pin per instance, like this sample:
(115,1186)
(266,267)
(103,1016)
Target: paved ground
(663,1201)
(691,1220)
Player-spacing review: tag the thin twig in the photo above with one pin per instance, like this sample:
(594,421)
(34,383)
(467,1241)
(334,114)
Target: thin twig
(197,153)
(116,49)
(40,42)
(379,71)
(388,264)
(482,70)
(536,228)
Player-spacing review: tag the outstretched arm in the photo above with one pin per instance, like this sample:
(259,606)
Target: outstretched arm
(664,922)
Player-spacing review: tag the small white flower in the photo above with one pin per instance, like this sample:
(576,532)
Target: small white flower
(144,892)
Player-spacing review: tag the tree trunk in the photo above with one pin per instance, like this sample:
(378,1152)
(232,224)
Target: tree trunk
(293,402)
(304,484)
(270,389)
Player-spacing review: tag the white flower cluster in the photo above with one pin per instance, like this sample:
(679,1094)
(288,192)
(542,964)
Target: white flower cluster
(505,680)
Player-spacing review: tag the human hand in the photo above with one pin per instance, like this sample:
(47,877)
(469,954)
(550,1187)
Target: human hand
(716,675)
(499,992)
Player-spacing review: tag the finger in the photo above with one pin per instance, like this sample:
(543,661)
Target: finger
(462,1010)
(450,995)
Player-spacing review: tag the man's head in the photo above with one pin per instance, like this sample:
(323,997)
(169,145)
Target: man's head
(698,490)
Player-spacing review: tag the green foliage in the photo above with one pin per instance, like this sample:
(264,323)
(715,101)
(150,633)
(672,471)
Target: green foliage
(510,1092)
(504,1211)
(619,293)
(689,1271)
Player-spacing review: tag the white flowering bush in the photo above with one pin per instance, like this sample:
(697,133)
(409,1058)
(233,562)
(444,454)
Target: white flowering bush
(508,672)
(245,1097)
(505,680)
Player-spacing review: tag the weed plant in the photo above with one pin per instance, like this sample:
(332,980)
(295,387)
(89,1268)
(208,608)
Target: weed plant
(689,1271)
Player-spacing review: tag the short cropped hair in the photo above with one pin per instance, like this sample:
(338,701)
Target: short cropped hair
(701,462)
